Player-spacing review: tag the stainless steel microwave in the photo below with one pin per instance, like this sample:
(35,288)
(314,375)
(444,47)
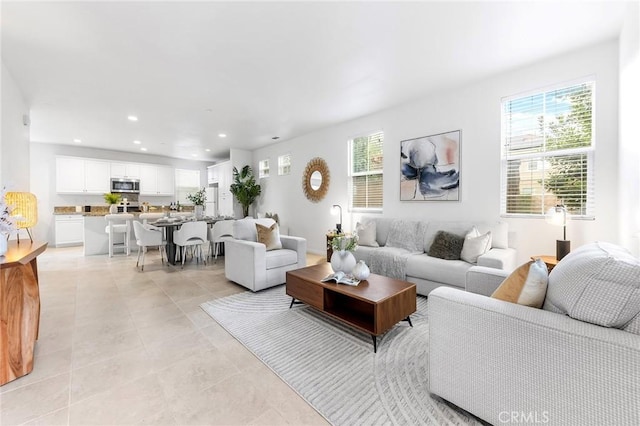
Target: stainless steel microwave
(127,186)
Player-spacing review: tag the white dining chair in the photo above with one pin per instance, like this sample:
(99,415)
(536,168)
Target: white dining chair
(146,217)
(119,223)
(191,234)
(221,231)
(148,236)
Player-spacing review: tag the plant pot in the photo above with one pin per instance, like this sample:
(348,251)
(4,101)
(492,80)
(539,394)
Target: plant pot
(113,209)
(199,211)
(342,260)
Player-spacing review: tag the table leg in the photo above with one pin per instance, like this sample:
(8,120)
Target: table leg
(171,247)
(375,343)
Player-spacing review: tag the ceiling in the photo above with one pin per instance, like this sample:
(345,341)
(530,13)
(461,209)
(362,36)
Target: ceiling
(255,70)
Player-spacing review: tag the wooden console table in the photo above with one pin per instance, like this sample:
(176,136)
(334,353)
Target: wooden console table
(19,308)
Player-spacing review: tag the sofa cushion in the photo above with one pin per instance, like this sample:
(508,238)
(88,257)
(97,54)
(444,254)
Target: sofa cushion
(451,272)
(527,285)
(458,228)
(269,236)
(245,229)
(446,246)
(406,234)
(597,283)
(279,258)
(475,245)
(367,233)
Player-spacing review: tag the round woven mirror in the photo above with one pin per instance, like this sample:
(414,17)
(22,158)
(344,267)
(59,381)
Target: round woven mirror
(315,179)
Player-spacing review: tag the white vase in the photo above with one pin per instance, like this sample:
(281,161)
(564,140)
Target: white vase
(342,260)
(3,244)
(361,271)
(113,209)
(199,211)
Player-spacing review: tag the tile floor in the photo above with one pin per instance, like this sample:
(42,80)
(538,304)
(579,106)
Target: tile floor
(118,346)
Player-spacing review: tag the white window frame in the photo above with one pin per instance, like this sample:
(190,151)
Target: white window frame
(543,155)
(351,174)
(284,169)
(263,168)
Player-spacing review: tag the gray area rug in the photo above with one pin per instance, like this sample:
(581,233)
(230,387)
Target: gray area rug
(333,367)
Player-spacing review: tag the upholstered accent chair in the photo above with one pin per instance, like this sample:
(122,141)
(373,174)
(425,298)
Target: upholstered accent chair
(249,263)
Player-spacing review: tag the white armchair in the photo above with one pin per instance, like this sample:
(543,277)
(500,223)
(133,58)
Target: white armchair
(248,262)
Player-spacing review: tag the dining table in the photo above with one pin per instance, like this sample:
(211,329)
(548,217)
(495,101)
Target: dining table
(170,224)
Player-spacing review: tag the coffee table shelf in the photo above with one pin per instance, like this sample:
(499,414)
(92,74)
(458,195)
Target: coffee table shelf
(374,306)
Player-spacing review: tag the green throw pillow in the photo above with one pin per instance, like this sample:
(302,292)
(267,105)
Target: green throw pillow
(446,246)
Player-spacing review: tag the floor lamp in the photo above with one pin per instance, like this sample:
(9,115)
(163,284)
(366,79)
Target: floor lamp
(25,211)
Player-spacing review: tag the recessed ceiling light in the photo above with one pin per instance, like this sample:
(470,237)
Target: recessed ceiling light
(132,118)
(222,135)
(77,141)
(275,138)
(143,149)
(208,110)
(207,150)
(194,155)
(137,142)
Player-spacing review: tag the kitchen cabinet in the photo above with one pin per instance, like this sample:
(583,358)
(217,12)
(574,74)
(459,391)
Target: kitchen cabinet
(156,180)
(125,170)
(69,230)
(82,176)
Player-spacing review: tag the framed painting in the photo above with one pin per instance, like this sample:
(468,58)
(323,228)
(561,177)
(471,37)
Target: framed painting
(430,168)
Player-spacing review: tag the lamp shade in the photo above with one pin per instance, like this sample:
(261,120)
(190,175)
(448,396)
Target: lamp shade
(25,208)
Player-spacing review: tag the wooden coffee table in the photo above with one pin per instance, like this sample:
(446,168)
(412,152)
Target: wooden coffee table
(374,306)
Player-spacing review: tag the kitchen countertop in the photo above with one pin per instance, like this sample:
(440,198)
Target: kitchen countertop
(104,210)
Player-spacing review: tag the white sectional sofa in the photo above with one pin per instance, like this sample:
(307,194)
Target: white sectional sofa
(407,258)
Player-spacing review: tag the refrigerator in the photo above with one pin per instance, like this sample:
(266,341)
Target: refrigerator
(211,205)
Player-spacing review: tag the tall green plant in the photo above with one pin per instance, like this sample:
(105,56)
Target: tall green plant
(245,188)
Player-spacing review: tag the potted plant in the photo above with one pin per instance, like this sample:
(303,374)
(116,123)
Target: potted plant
(7,224)
(112,200)
(198,198)
(342,258)
(245,188)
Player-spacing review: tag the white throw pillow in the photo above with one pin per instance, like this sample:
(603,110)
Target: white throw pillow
(475,245)
(367,234)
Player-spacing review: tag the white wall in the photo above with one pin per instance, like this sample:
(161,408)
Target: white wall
(43,179)
(629,153)
(14,145)
(475,109)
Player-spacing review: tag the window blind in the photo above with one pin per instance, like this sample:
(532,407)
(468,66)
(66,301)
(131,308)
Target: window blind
(547,151)
(284,164)
(366,171)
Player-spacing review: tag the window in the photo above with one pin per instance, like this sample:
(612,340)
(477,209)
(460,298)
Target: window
(263,169)
(187,182)
(284,164)
(553,130)
(365,172)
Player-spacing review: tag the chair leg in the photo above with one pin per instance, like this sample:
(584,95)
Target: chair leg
(184,254)
(161,248)
(138,260)
(143,253)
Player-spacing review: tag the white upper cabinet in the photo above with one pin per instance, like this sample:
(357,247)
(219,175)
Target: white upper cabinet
(82,176)
(125,170)
(156,180)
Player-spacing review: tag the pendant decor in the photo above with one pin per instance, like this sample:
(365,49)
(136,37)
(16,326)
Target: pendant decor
(343,260)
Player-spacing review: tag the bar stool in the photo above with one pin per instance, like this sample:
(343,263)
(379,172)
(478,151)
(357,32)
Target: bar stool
(119,224)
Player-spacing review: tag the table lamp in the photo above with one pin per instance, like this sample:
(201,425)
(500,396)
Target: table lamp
(557,215)
(335,209)
(25,211)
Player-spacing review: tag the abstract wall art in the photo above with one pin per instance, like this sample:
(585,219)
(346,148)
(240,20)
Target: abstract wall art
(430,168)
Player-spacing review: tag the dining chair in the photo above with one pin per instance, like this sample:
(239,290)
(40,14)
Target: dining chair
(148,236)
(191,234)
(119,223)
(221,231)
(145,217)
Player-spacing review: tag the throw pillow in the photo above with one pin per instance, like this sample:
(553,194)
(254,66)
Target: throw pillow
(367,234)
(446,246)
(406,234)
(527,285)
(269,236)
(475,245)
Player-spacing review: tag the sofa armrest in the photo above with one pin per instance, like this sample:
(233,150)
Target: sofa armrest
(245,262)
(483,280)
(499,259)
(297,244)
(494,358)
